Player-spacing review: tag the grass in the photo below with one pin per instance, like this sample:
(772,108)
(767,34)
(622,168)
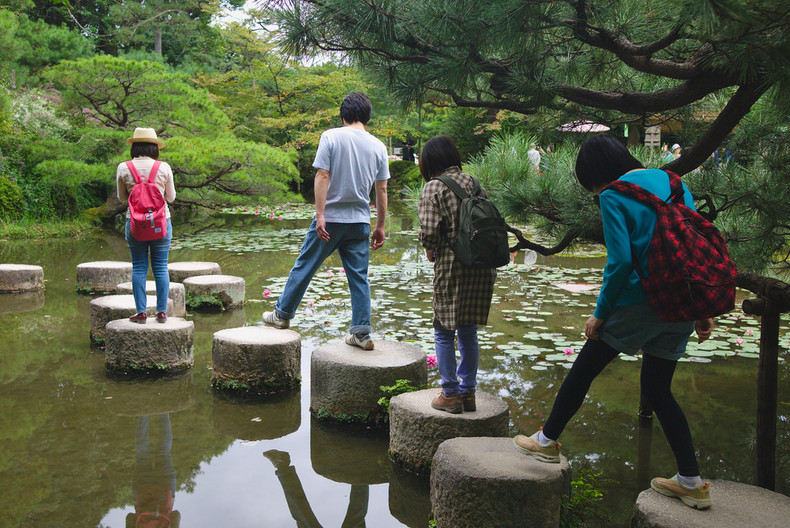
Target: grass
(32,228)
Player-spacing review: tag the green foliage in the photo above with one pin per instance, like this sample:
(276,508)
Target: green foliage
(584,503)
(203,303)
(401,386)
(11,200)
(403,174)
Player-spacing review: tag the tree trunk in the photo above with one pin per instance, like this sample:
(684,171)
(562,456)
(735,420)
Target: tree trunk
(158,42)
(106,212)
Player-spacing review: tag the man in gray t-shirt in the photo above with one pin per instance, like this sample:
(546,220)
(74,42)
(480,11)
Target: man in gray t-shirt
(349,162)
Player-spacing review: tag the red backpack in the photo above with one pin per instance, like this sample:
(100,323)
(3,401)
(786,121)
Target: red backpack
(146,206)
(690,273)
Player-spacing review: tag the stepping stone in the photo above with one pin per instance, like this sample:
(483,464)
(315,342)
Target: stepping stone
(253,420)
(112,307)
(19,278)
(143,397)
(348,456)
(482,481)
(220,292)
(734,504)
(183,270)
(256,359)
(417,429)
(150,347)
(102,276)
(21,302)
(345,380)
(177,293)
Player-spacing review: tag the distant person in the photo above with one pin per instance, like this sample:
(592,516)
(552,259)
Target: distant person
(461,295)
(349,161)
(145,153)
(534,157)
(625,322)
(407,152)
(676,151)
(666,154)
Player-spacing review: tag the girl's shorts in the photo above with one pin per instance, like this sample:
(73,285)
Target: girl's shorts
(630,329)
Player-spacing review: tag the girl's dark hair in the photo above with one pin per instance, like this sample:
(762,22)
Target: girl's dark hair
(438,154)
(603,159)
(355,108)
(142,148)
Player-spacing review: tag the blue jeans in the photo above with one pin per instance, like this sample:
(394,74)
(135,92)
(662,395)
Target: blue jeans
(445,356)
(352,243)
(159,252)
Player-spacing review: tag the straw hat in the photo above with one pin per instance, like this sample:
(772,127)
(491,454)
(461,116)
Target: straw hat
(145,135)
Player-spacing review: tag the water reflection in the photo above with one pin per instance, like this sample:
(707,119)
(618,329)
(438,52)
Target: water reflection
(298,503)
(351,457)
(409,497)
(21,302)
(274,417)
(154,482)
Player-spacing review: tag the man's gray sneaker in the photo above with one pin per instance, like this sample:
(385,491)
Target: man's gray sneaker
(272,319)
(361,340)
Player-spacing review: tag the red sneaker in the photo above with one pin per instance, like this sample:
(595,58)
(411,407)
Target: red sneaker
(161,317)
(139,318)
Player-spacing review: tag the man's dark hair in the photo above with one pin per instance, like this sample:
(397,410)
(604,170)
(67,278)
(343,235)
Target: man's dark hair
(356,107)
(142,148)
(603,159)
(438,154)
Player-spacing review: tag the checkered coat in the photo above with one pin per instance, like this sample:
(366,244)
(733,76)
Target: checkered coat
(461,295)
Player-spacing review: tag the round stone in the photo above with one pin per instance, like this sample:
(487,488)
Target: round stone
(102,276)
(150,347)
(734,504)
(345,380)
(112,307)
(252,420)
(256,359)
(417,429)
(220,291)
(481,481)
(348,456)
(183,270)
(176,293)
(19,278)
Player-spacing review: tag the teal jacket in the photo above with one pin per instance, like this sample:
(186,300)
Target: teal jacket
(628,223)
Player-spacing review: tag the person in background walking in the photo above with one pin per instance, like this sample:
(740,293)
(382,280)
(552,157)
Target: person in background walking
(625,322)
(145,147)
(461,295)
(349,161)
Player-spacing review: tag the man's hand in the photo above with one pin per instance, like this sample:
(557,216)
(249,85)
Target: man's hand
(704,327)
(592,328)
(431,254)
(320,228)
(377,238)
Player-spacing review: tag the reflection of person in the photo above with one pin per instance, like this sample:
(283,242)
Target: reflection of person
(144,152)
(297,501)
(625,322)
(154,482)
(461,295)
(349,161)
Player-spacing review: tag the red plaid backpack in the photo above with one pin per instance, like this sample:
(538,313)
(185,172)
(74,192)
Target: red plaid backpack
(690,273)
(146,206)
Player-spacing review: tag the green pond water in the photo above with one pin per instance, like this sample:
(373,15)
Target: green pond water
(74,440)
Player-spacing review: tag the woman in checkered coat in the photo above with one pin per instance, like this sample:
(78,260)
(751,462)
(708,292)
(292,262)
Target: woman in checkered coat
(461,295)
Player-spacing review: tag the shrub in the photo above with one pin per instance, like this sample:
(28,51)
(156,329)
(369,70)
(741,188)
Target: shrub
(403,174)
(12,202)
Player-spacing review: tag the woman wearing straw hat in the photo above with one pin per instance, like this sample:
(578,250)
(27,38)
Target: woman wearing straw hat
(145,153)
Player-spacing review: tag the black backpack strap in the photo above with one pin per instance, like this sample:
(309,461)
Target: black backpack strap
(457,189)
(676,188)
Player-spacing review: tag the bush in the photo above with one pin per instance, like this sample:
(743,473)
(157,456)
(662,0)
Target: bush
(12,201)
(403,174)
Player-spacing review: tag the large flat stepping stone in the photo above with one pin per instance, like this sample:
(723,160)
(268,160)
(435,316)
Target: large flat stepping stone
(147,396)
(102,276)
(734,505)
(256,359)
(18,278)
(345,380)
(150,347)
(249,420)
(177,293)
(183,270)
(218,292)
(112,307)
(489,482)
(348,456)
(417,429)
(21,302)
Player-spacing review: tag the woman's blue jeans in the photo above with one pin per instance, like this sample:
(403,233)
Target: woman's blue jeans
(159,250)
(449,370)
(352,243)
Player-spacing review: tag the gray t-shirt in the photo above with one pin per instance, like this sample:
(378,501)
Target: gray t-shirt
(355,160)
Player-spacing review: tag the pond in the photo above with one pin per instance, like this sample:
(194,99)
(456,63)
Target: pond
(84,449)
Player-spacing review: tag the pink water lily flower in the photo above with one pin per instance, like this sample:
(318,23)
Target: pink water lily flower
(432,363)
(568,351)
(266,293)
(739,342)
(271,216)
(749,331)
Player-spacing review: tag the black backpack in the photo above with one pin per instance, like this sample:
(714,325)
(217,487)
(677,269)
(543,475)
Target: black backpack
(481,240)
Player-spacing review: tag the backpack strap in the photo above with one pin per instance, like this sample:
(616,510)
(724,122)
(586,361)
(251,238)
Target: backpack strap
(457,189)
(635,191)
(136,175)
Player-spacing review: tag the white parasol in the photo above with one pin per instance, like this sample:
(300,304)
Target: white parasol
(582,126)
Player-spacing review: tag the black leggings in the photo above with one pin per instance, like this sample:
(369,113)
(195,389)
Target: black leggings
(656,380)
